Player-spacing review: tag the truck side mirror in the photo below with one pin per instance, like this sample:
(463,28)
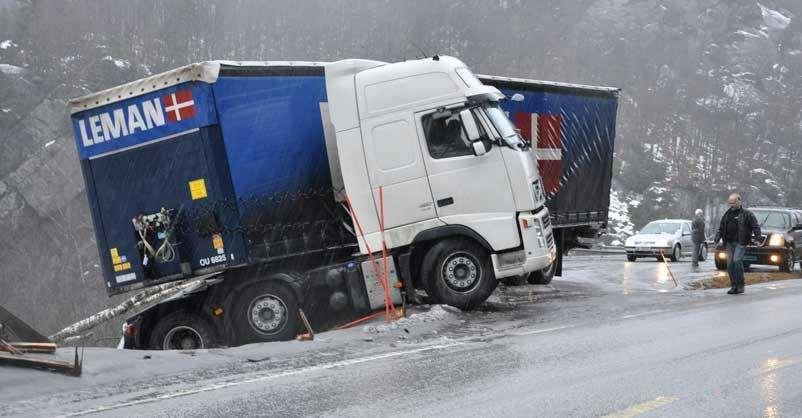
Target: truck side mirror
(470,125)
(479,148)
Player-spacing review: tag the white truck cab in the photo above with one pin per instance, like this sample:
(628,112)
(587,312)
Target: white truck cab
(424,145)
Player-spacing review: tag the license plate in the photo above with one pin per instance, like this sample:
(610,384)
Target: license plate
(643,249)
(750,258)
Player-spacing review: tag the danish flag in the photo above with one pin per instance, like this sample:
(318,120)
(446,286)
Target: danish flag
(545,132)
(179,105)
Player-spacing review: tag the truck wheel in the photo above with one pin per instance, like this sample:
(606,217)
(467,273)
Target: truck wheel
(631,258)
(459,273)
(543,276)
(266,311)
(182,331)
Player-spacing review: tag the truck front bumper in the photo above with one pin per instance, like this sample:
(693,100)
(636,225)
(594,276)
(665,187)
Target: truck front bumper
(538,250)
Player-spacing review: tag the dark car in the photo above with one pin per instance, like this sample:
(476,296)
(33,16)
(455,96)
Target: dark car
(781,243)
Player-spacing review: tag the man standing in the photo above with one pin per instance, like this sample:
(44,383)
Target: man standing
(698,236)
(736,229)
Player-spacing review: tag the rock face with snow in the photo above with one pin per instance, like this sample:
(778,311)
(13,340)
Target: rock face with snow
(709,104)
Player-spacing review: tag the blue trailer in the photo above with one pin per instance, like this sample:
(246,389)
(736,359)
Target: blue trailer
(219,167)
(571,129)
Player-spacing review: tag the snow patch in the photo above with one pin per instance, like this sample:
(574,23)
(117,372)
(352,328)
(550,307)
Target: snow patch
(748,34)
(118,62)
(8,43)
(773,18)
(436,313)
(11,69)
(620,225)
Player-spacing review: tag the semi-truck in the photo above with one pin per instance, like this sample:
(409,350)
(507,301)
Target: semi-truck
(288,190)
(571,130)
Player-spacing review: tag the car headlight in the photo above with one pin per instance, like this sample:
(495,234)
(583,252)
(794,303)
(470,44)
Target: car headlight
(663,243)
(776,240)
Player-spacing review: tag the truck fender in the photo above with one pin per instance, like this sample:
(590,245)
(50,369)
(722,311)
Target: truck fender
(417,250)
(450,231)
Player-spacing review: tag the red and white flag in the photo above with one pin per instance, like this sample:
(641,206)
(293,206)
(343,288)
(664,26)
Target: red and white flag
(545,132)
(179,105)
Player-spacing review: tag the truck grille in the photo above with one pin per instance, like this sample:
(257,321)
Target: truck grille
(550,240)
(546,222)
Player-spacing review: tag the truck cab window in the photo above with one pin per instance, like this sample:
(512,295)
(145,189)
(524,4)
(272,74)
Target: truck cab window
(446,137)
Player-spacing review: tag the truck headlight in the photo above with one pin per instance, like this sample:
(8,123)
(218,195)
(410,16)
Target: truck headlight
(776,240)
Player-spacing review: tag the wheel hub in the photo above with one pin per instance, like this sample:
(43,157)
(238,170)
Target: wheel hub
(267,314)
(183,338)
(461,272)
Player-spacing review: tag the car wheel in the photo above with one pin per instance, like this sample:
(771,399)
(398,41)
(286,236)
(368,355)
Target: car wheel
(543,276)
(266,311)
(788,262)
(676,254)
(631,258)
(721,264)
(459,273)
(182,331)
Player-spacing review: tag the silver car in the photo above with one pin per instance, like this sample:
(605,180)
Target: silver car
(669,237)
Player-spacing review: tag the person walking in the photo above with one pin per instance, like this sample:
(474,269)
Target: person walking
(697,236)
(736,229)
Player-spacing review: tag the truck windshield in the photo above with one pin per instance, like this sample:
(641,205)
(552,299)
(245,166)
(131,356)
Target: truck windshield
(503,125)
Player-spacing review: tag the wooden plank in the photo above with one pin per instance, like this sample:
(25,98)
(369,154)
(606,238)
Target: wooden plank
(48,348)
(62,367)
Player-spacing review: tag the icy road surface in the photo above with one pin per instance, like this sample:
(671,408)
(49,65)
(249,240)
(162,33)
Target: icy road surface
(610,337)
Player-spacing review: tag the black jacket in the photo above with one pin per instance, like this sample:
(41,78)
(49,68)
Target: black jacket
(747,226)
(698,229)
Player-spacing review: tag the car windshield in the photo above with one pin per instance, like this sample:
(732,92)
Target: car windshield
(503,125)
(660,228)
(771,219)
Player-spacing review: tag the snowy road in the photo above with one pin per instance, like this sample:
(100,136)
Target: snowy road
(609,338)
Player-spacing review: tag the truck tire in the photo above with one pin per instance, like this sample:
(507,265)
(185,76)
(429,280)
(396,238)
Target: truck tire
(543,276)
(458,272)
(182,331)
(631,258)
(266,311)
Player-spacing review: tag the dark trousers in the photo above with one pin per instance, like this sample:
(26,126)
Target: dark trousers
(735,264)
(697,253)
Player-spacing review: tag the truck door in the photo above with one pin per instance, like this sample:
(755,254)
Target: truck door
(395,163)
(468,190)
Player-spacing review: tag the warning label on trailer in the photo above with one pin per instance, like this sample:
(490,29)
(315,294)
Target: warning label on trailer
(197,189)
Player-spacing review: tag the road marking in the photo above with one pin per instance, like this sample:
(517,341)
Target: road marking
(342,363)
(773,363)
(642,314)
(643,408)
(540,331)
